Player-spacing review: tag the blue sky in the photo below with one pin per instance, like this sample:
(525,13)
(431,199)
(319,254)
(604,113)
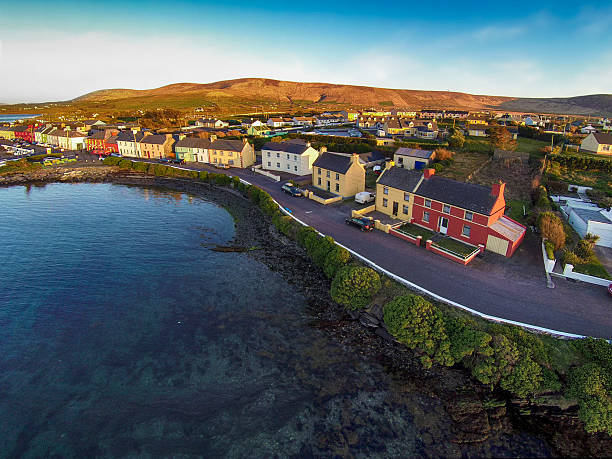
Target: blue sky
(532,49)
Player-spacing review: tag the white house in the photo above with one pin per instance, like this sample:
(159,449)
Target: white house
(71,140)
(587,218)
(128,143)
(599,143)
(588,130)
(292,156)
(277,122)
(303,120)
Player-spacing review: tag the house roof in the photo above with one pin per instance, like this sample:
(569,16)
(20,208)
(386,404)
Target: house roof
(20,128)
(603,138)
(154,139)
(469,196)
(112,139)
(372,156)
(97,136)
(402,179)
(588,215)
(227,145)
(128,136)
(296,146)
(477,127)
(193,142)
(414,152)
(336,162)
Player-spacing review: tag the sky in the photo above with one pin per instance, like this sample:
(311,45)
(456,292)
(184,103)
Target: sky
(521,49)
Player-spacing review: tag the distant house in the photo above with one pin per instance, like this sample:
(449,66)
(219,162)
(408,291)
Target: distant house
(431,113)
(532,121)
(372,158)
(111,145)
(7,133)
(25,133)
(587,218)
(477,118)
(90,124)
(193,149)
(304,120)
(599,143)
(327,120)
(260,130)
(277,122)
(71,140)
(292,156)
(477,130)
(457,114)
(588,129)
(40,133)
(211,123)
(95,143)
(157,146)
(234,153)
(513,130)
(413,158)
(340,174)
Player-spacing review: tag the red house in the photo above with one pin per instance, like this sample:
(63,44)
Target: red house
(24,133)
(467,212)
(110,145)
(95,143)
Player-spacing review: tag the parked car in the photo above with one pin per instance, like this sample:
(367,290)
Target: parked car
(610,289)
(164,160)
(364,196)
(292,190)
(221,166)
(363,223)
(177,161)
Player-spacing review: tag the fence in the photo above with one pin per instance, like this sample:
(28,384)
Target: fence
(568,272)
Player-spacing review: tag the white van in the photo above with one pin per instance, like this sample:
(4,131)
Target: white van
(364,196)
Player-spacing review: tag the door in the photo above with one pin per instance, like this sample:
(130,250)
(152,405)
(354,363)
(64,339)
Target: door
(395,207)
(328,186)
(419,165)
(497,245)
(443,225)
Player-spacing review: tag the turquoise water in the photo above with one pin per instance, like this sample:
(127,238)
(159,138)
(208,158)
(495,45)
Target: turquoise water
(9,117)
(123,335)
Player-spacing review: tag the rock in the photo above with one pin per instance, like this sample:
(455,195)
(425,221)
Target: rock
(384,334)
(367,320)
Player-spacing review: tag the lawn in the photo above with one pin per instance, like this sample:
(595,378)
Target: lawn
(515,209)
(598,180)
(455,246)
(414,231)
(531,146)
(594,268)
(370,179)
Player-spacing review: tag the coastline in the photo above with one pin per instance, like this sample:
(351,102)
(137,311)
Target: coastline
(476,413)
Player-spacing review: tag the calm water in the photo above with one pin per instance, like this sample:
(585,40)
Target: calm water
(122,334)
(10,117)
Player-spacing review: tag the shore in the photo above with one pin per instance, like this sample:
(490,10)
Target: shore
(475,413)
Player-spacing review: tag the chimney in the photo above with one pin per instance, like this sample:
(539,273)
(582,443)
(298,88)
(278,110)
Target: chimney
(389,164)
(323,149)
(427,173)
(182,136)
(212,137)
(498,189)
(354,158)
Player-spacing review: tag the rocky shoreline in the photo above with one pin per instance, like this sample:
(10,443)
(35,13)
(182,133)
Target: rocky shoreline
(476,414)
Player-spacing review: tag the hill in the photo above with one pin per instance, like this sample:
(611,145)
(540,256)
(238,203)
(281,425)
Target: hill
(596,104)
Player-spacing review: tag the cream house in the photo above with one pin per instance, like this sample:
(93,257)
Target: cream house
(413,158)
(598,143)
(339,174)
(233,153)
(292,156)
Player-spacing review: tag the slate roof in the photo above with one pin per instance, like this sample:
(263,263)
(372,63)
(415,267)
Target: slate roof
(97,136)
(414,153)
(470,196)
(334,162)
(372,156)
(193,142)
(128,136)
(154,139)
(603,138)
(588,215)
(227,145)
(291,146)
(20,128)
(112,139)
(401,179)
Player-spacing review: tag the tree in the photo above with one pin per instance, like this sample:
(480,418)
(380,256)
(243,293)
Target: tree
(551,228)
(590,385)
(443,154)
(415,322)
(501,138)
(354,286)
(457,139)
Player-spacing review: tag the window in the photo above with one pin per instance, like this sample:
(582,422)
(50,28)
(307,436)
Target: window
(446,209)
(319,171)
(385,190)
(278,165)
(230,154)
(337,176)
(337,187)
(426,217)
(319,180)
(466,231)
(385,202)
(406,196)
(428,203)
(278,155)
(405,210)
(469,216)
(327,173)
(295,168)
(268,154)
(287,155)
(288,167)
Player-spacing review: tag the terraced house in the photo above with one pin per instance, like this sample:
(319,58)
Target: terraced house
(7,133)
(129,143)
(234,153)
(156,146)
(338,173)
(470,213)
(193,149)
(293,156)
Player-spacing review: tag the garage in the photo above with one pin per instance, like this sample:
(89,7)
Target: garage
(497,245)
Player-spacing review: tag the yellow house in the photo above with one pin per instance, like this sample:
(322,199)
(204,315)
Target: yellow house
(339,173)
(597,142)
(394,191)
(233,153)
(477,118)
(7,133)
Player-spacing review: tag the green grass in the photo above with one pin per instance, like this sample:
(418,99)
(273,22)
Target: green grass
(455,246)
(477,145)
(414,231)
(530,146)
(594,268)
(465,162)
(516,209)
(598,180)
(370,179)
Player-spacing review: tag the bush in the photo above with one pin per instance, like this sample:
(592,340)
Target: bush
(336,259)
(438,167)
(140,167)
(354,286)
(111,160)
(551,228)
(415,322)
(457,139)
(320,250)
(550,249)
(443,154)
(304,234)
(590,385)
(541,198)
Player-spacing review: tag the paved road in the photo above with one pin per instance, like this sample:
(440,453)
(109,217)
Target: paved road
(513,288)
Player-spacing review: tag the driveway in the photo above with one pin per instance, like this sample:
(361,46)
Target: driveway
(512,288)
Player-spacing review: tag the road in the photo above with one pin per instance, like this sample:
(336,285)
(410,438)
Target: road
(513,289)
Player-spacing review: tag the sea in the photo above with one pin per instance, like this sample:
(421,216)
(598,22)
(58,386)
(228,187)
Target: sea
(10,118)
(122,334)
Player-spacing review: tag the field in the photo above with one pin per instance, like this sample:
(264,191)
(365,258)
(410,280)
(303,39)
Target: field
(482,145)
(465,163)
(598,180)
